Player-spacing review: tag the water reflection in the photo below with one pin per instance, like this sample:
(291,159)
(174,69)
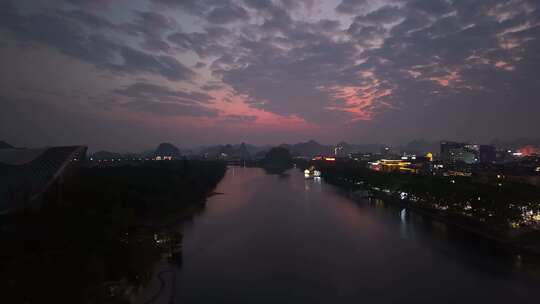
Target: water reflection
(289,239)
(406,229)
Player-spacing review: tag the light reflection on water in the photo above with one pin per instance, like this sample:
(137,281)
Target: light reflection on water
(275,239)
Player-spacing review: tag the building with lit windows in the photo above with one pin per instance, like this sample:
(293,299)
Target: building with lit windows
(455,152)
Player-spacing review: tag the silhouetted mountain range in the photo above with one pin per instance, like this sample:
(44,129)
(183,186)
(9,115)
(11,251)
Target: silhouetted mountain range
(310,148)
(242,150)
(420,147)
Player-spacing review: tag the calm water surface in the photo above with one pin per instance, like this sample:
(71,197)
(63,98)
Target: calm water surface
(285,239)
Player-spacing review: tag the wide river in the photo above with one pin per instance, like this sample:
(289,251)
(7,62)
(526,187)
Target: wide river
(287,239)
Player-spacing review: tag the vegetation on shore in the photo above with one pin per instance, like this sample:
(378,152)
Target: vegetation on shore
(510,210)
(96,237)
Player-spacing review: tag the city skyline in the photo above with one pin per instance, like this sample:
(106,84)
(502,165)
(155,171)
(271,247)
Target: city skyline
(126,75)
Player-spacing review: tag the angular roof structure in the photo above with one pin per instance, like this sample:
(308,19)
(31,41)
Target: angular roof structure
(27,173)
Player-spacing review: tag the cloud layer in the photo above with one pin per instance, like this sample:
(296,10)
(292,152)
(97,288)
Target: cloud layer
(370,70)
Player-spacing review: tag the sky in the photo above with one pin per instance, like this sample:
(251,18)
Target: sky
(128,74)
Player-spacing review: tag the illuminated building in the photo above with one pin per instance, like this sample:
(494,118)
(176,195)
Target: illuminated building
(454,152)
(364,156)
(529,150)
(312,172)
(446,150)
(393,165)
(338,150)
(325,158)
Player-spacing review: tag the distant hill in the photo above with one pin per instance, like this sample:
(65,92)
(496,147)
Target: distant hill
(243,150)
(420,147)
(167,149)
(277,160)
(5,145)
(309,148)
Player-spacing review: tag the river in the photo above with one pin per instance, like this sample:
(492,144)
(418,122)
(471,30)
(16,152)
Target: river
(287,239)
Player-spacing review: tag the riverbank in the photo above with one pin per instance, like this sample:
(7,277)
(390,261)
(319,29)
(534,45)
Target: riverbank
(509,243)
(508,213)
(101,240)
(160,286)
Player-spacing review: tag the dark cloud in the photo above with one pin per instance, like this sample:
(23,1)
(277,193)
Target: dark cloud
(60,125)
(212,86)
(164,101)
(435,7)
(437,68)
(433,53)
(65,34)
(259,4)
(154,92)
(448,67)
(94,4)
(203,44)
(386,14)
(227,14)
(88,19)
(297,4)
(199,65)
(166,66)
(217,11)
(151,26)
(351,6)
(171,109)
(70,36)
(286,82)
(276,18)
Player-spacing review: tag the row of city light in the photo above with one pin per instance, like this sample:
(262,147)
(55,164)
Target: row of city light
(132,159)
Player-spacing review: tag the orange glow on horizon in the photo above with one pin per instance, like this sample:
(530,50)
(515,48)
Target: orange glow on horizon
(228,103)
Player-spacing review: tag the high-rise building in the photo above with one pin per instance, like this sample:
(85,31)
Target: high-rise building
(487,154)
(446,150)
(454,152)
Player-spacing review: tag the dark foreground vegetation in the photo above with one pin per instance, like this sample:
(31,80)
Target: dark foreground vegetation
(508,212)
(95,240)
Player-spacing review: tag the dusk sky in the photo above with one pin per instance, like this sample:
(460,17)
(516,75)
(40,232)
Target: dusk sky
(128,74)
